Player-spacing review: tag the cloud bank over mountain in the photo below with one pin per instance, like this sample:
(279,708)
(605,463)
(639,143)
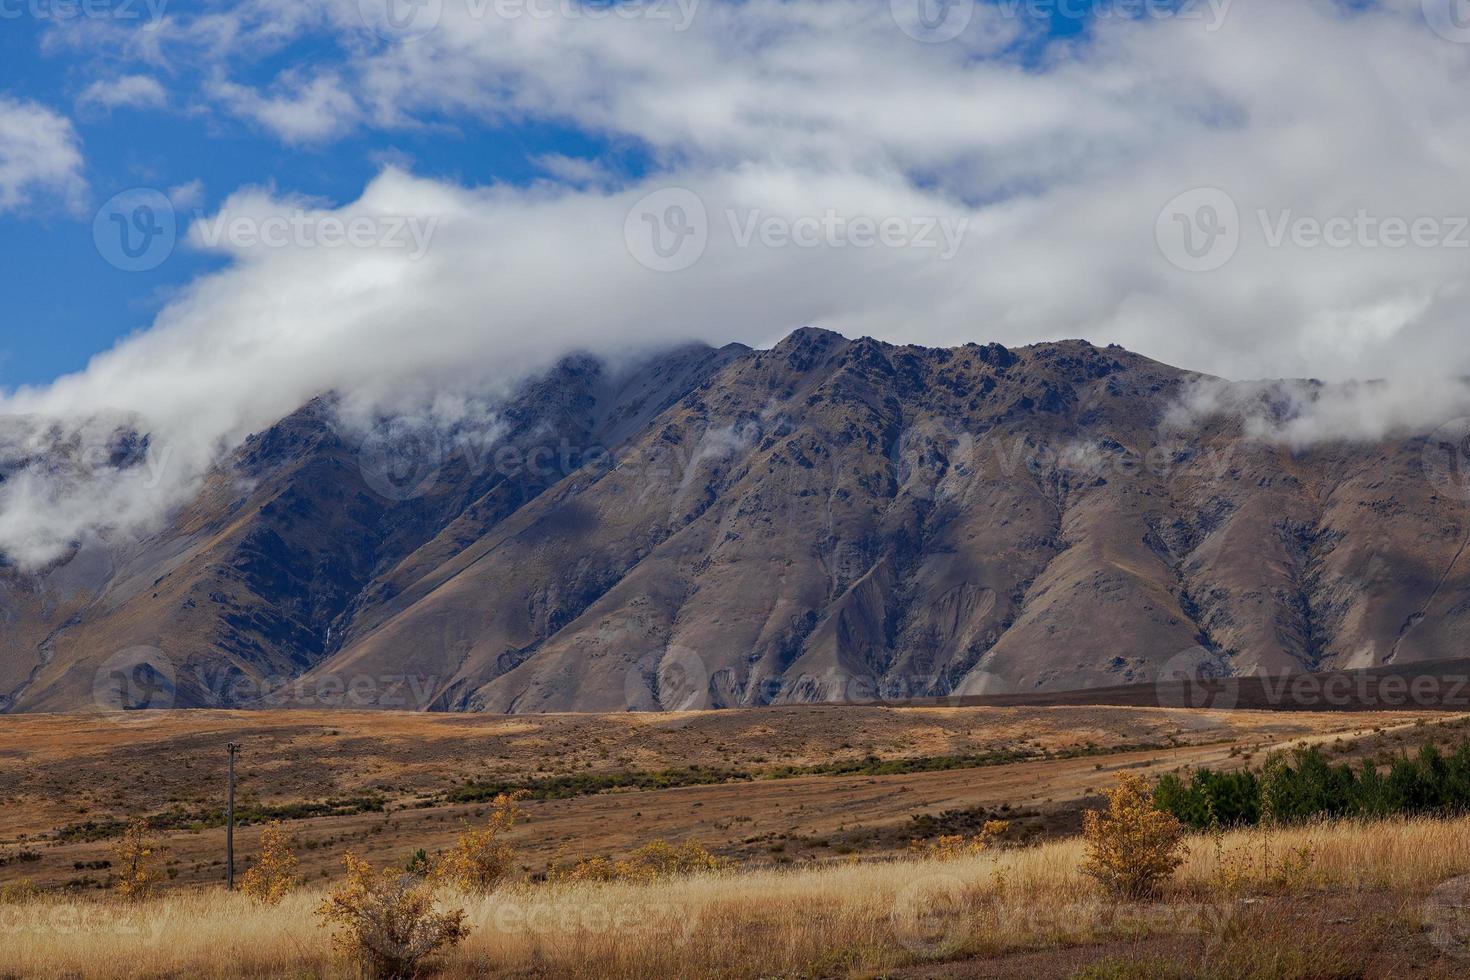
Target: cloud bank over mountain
(808,162)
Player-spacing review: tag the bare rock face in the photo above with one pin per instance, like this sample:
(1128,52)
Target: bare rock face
(829,520)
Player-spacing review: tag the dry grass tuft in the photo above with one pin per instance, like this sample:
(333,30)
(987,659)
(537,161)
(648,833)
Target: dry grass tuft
(950,847)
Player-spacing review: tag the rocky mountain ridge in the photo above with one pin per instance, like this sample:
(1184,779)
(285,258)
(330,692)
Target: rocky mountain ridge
(828,520)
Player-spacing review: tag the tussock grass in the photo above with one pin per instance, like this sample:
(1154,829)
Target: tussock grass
(837,919)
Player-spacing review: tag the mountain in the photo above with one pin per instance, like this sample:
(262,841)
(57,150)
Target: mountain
(827,520)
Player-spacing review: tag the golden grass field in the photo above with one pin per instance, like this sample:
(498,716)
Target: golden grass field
(1357,908)
(823,884)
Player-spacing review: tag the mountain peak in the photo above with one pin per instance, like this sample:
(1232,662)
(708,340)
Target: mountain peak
(808,339)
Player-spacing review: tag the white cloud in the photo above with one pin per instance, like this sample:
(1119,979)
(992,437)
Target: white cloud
(301,110)
(574,170)
(1313,108)
(39,152)
(187,196)
(1302,413)
(128,91)
(794,114)
(1308,108)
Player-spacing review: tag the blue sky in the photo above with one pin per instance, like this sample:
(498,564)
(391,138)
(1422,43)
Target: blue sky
(66,303)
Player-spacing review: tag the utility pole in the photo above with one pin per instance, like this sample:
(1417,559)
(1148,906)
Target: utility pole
(230,822)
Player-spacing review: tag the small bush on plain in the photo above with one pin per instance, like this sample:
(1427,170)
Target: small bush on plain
(387,922)
(950,847)
(659,859)
(138,859)
(482,858)
(273,875)
(1133,847)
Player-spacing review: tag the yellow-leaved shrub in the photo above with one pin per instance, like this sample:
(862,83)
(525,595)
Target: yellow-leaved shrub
(138,859)
(481,858)
(652,861)
(387,921)
(1133,847)
(950,847)
(274,874)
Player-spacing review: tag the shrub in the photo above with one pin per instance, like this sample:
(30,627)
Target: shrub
(481,859)
(590,869)
(1133,846)
(1371,794)
(418,863)
(387,922)
(1314,787)
(1211,798)
(14,857)
(950,847)
(274,874)
(137,857)
(16,892)
(659,859)
(1304,786)
(665,860)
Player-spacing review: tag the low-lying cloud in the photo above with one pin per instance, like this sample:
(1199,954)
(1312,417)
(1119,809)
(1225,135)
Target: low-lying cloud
(1303,413)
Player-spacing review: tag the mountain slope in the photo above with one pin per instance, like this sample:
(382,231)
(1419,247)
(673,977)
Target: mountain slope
(296,538)
(831,519)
